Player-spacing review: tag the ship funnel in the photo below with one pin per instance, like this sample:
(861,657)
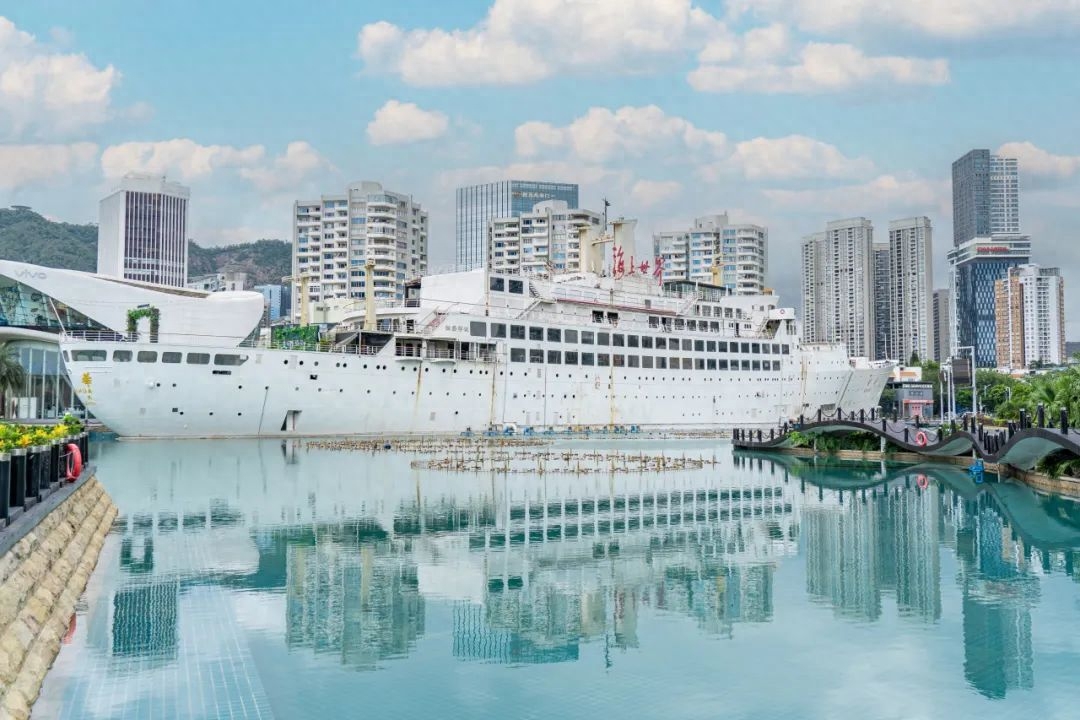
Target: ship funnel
(623,234)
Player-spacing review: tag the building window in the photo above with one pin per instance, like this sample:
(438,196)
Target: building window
(721,346)
(478,329)
(587,358)
(553,335)
(603,360)
(661,363)
(517,355)
(570,357)
(647,362)
(536,355)
(536,333)
(587,337)
(646,342)
(661,343)
(699,345)
(570,336)
(498,330)
(687,345)
(517,287)
(618,340)
(554,357)
(603,338)
(619,360)
(633,361)
(517,332)
(498,284)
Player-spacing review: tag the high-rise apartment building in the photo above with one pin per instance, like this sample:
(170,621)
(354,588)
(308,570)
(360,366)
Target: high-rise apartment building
(543,240)
(738,252)
(838,285)
(477,205)
(884,348)
(910,283)
(1030,317)
(986,196)
(943,324)
(335,235)
(142,231)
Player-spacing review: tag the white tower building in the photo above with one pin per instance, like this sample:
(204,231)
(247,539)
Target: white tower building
(142,231)
(739,252)
(838,285)
(542,240)
(911,289)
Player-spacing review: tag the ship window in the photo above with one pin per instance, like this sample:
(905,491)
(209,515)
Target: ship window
(603,360)
(498,284)
(699,345)
(687,363)
(517,354)
(661,363)
(613,318)
(633,361)
(710,364)
(147,356)
(553,334)
(554,357)
(785,349)
(699,364)
(220,359)
(587,359)
(517,287)
(714,326)
(646,342)
(536,333)
(647,362)
(675,363)
(661,343)
(721,346)
(745,364)
(618,340)
(746,347)
(631,340)
(198,358)
(587,337)
(93,355)
(66,356)
(603,338)
(517,332)
(765,348)
(686,345)
(654,321)
(619,360)
(536,355)
(710,346)
(756,365)
(171,357)
(569,336)
(597,316)
(755,348)
(776,365)
(722,364)
(691,325)
(498,330)
(478,329)
(570,357)
(680,324)
(121,356)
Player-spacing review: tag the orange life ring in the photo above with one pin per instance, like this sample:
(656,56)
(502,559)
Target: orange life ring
(922,481)
(921,439)
(74,462)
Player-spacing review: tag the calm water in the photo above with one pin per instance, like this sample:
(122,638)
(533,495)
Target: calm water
(253,579)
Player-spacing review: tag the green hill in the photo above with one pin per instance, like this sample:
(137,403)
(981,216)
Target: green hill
(26,236)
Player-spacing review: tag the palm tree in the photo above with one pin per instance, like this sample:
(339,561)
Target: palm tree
(12,376)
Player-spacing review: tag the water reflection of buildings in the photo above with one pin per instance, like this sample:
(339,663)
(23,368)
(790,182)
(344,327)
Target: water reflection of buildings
(532,569)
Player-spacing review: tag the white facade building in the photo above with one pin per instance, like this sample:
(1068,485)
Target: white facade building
(142,231)
(335,235)
(911,290)
(739,252)
(219,282)
(838,285)
(542,240)
(1030,309)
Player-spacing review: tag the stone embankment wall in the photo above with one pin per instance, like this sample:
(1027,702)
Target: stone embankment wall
(41,578)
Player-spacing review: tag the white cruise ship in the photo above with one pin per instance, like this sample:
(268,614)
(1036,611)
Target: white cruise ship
(479,351)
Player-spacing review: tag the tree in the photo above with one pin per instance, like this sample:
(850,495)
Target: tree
(12,376)
(914,359)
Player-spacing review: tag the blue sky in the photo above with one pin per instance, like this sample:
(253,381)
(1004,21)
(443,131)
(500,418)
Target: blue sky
(783,112)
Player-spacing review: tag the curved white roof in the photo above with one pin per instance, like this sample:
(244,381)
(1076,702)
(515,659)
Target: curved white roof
(186,316)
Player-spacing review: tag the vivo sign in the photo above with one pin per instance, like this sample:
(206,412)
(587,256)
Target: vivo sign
(31,274)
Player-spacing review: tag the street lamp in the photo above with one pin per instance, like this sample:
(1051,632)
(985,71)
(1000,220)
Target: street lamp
(974,385)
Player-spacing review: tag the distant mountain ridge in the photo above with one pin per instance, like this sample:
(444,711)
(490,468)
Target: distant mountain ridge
(26,236)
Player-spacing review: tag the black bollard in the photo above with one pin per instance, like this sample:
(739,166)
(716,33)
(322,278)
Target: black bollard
(802,421)
(1023,419)
(819,414)
(5,485)
(905,434)
(56,473)
(917,419)
(873,412)
(883,421)
(759,436)
(1040,416)
(953,425)
(30,482)
(1064,421)
(772,434)
(18,478)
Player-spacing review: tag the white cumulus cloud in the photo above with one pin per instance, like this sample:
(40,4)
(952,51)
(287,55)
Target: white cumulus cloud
(1034,160)
(522,41)
(44,92)
(796,156)
(22,165)
(397,122)
(647,194)
(288,170)
(885,193)
(181,158)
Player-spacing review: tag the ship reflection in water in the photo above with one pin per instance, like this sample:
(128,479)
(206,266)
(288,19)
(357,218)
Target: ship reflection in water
(239,571)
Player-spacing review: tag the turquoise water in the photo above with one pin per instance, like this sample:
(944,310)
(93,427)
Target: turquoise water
(268,580)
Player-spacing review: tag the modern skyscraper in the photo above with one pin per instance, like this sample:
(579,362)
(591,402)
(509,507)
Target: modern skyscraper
(543,240)
(986,196)
(479,204)
(943,324)
(738,251)
(884,347)
(974,267)
(335,235)
(142,231)
(910,278)
(1030,308)
(838,285)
